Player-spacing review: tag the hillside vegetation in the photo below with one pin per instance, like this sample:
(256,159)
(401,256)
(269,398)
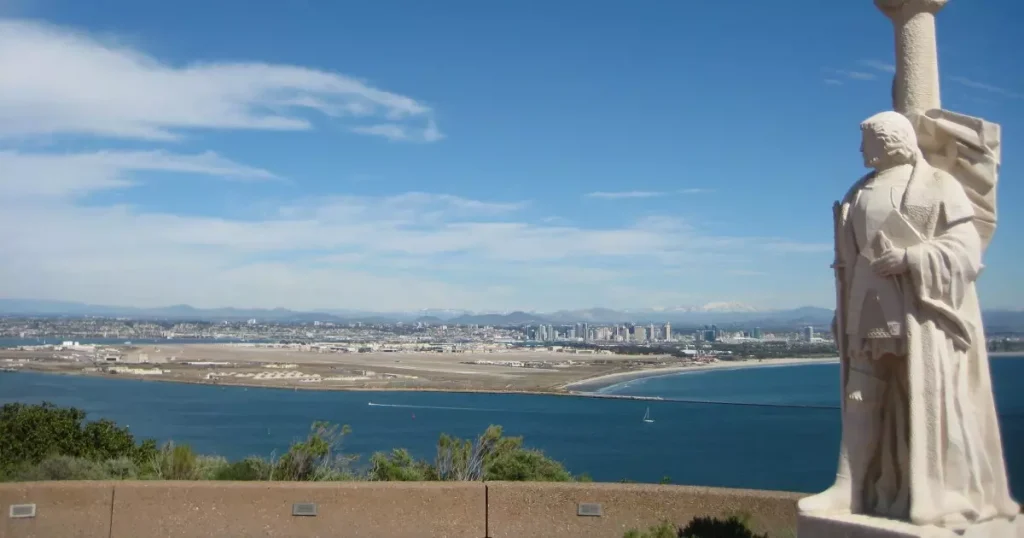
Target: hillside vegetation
(46,442)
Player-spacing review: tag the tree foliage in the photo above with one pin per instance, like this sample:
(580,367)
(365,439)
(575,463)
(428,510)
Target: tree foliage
(29,434)
(318,457)
(45,442)
(710,527)
(733,526)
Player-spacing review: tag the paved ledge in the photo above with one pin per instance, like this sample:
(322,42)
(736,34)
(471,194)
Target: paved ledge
(73,509)
(537,509)
(141,509)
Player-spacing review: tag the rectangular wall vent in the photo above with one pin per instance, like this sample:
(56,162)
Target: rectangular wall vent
(304,509)
(23,510)
(588,509)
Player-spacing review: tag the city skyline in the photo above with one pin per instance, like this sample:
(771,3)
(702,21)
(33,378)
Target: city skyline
(481,158)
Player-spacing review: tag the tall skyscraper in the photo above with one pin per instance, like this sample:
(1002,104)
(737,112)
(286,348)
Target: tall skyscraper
(808,333)
(668,332)
(638,332)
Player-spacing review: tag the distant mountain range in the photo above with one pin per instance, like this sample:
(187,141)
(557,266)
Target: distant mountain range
(723,314)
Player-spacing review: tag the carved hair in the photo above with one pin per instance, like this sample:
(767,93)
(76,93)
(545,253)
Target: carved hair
(896,133)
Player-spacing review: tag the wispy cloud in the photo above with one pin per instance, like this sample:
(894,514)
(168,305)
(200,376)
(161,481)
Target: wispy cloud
(59,81)
(836,77)
(365,251)
(987,87)
(68,174)
(850,74)
(624,194)
(695,190)
(880,66)
(398,132)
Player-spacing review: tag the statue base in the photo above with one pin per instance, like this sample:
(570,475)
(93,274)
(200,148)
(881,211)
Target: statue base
(859,526)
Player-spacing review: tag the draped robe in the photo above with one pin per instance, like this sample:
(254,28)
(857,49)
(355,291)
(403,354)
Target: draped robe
(939,457)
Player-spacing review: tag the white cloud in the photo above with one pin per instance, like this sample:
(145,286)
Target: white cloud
(624,194)
(880,66)
(987,87)
(353,251)
(397,251)
(56,81)
(67,174)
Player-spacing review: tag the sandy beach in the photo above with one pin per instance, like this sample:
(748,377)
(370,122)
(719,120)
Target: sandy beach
(604,381)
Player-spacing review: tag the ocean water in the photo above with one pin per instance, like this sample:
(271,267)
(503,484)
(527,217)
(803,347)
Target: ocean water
(775,428)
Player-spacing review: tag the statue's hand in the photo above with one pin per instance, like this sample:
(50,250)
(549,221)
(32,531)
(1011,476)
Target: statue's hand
(893,261)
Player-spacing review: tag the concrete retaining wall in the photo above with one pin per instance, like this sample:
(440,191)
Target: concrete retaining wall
(372,509)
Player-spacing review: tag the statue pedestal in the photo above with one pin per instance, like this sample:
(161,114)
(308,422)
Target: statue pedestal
(858,526)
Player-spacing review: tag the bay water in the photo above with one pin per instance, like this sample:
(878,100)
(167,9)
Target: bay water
(774,427)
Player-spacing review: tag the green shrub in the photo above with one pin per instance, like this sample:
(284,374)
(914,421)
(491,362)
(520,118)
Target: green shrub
(494,457)
(121,469)
(524,464)
(319,457)
(45,442)
(251,468)
(399,466)
(662,530)
(30,434)
(61,468)
(173,462)
(709,527)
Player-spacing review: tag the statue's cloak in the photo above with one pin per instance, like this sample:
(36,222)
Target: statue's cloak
(942,460)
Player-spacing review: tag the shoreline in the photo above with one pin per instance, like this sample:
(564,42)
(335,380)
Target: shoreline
(603,382)
(580,388)
(583,388)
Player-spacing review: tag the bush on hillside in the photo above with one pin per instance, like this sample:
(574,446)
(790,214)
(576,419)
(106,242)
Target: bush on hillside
(700,527)
(399,466)
(319,457)
(494,457)
(709,527)
(30,434)
(251,468)
(45,442)
(662,530)
(59,467)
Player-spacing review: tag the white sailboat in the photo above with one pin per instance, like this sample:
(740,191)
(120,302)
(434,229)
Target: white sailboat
(647,416)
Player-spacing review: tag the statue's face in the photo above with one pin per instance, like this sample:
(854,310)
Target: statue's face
(873,149)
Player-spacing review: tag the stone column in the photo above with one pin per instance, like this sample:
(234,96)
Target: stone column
(916,85)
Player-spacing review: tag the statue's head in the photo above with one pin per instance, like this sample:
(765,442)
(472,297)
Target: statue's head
(888,140)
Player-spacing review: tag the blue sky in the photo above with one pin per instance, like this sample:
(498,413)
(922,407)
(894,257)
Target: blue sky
(454,154)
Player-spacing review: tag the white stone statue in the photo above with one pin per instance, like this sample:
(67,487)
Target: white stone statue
(920,438)
(921,453)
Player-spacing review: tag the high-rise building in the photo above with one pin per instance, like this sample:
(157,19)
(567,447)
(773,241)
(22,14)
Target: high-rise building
(808,333)
(638,333)
(756,333)
(668,332)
